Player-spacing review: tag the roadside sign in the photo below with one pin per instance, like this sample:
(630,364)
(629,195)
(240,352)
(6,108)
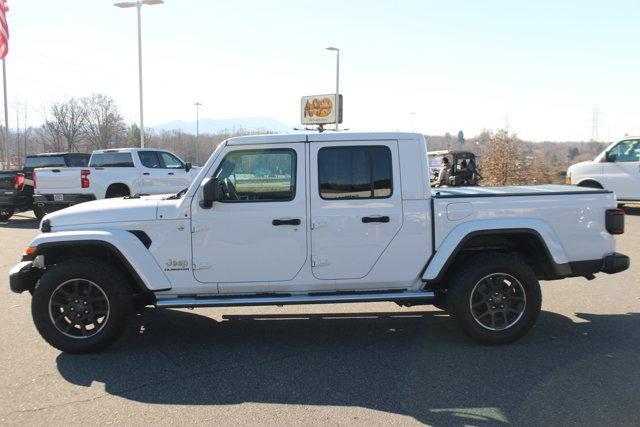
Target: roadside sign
(320,110)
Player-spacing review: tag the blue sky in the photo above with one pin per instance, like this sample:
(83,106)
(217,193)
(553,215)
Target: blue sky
(456,64)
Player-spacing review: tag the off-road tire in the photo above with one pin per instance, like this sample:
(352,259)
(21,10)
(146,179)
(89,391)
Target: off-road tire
(110,281)
(464,281)
(39,213)
(6,213)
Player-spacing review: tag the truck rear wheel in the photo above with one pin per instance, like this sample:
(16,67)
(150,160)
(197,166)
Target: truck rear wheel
(81,305)
(495,298)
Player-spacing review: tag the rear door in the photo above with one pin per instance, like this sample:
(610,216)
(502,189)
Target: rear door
(356,208)
(622,172)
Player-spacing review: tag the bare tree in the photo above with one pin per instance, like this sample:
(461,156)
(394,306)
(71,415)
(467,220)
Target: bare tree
(103,125)
(504,162)
(65,122)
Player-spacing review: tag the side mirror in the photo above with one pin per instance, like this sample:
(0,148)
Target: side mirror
(187,166)
(608,157)
(211,192)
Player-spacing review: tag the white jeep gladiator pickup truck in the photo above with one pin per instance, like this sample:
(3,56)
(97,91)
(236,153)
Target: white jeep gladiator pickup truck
(617,169)
(111,173)
(316,218)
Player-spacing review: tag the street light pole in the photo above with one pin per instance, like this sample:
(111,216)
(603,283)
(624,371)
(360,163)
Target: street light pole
(138,5)
(337,51)
(197,104)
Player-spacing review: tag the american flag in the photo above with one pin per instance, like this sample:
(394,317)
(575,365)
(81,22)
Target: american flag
(4,29)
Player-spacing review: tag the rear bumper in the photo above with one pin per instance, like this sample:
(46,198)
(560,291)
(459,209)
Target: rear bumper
(615,263)
(23,276)
(48,204)
(610,264)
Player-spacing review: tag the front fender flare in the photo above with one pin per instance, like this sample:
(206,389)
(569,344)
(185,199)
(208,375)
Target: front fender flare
(131,251)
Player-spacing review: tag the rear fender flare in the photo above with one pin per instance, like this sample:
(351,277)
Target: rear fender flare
(454,241)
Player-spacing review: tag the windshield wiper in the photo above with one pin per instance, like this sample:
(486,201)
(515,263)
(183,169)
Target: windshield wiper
(178,195)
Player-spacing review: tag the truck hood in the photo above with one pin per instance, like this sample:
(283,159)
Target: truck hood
(107,211)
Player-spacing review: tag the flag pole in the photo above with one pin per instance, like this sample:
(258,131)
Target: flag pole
(6,116)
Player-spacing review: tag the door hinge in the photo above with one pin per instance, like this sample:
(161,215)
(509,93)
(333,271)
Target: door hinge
(200,265)
(319,261)
(196,228)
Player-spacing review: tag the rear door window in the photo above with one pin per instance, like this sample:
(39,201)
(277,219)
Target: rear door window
(359,172)
(112,160)
(150,159)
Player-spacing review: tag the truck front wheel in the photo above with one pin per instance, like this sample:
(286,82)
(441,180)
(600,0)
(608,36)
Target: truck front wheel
(6,213)
(495,298)
(81,305)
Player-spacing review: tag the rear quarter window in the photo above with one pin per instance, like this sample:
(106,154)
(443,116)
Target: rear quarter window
(111,160)
(77,160)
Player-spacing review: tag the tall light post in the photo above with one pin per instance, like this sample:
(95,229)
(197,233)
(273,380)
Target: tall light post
(138,5)
(337,51)
(197,104)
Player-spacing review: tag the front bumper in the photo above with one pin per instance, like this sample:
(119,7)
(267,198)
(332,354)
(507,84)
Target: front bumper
(23,276)
(47,203)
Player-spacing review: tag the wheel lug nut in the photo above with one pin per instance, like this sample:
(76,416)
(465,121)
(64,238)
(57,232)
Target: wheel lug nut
(72,309)
(501,305)
(84,302)
(86,312)
(78,315)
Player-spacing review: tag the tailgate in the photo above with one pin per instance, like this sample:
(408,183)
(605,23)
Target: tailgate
(6,180)
(58,180)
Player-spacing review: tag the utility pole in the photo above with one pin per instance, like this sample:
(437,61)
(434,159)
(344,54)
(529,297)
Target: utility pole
(595,117)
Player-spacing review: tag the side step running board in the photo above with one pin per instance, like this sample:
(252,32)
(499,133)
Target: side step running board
(292,300)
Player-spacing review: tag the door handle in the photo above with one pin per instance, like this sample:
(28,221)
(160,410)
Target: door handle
(145,173)
(286,222)
(170,173)
(368,219)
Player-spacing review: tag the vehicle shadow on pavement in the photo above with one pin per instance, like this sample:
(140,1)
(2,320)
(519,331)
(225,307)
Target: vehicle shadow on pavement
(410,363)
(21,220)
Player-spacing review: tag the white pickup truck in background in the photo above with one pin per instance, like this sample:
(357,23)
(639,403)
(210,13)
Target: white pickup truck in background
(316,218)
(617,169)
(112,173)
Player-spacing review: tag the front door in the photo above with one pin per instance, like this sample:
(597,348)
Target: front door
(356,206)
(622,171)
(176,175)
(257,233)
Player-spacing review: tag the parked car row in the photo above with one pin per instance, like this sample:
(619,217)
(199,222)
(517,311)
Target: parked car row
(16,187)
(49,182)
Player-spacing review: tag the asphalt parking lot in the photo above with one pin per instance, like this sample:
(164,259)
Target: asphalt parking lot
(334,364)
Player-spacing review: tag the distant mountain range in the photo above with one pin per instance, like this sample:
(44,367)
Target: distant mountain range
(227,125)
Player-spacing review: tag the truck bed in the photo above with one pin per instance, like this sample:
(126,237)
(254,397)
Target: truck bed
(514,190)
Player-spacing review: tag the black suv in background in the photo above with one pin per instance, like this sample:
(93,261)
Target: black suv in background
(16,187)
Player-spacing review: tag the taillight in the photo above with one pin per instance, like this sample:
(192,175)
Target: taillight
(614,220)
(18,181)
(33,178)
(84,178)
